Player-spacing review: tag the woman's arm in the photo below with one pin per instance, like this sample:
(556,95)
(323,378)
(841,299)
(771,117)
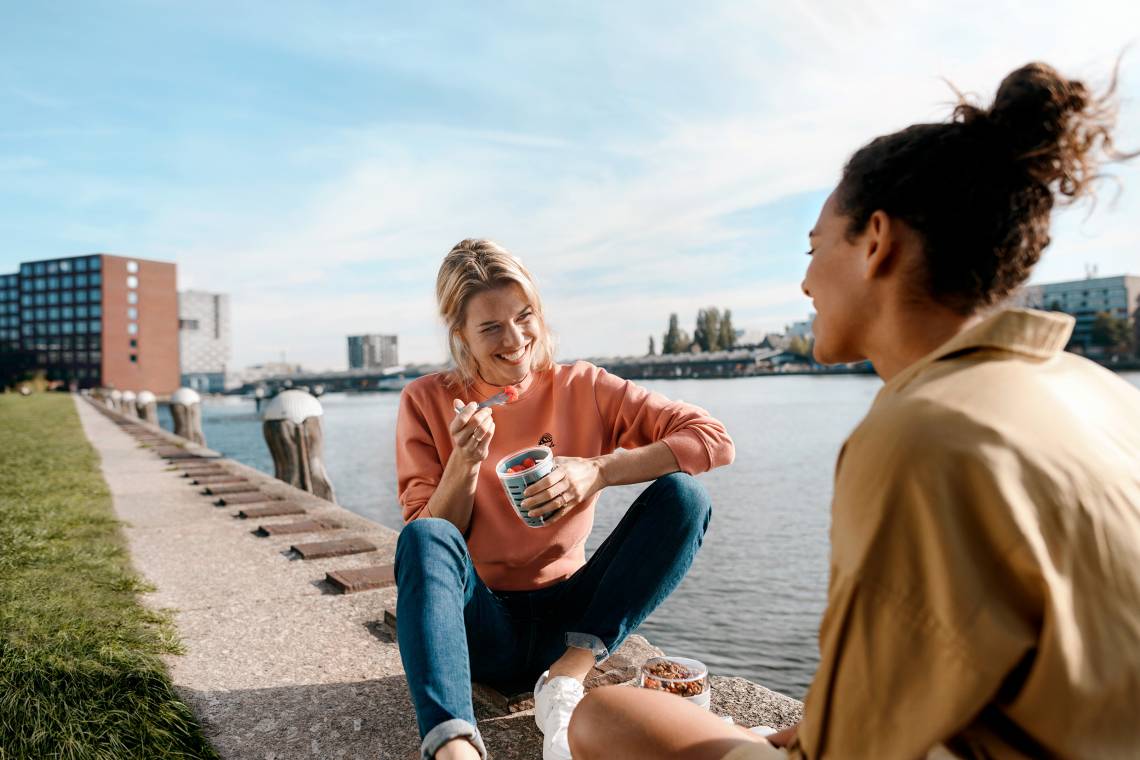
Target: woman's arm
(471,434)
(575,479)
(647,435)
(428,489)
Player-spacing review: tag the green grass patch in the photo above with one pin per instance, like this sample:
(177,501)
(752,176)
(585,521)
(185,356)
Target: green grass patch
(80,672)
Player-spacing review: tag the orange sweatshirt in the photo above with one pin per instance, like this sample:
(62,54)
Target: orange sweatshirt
(578,410)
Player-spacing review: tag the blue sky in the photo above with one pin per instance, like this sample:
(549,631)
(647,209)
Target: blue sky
(316,161)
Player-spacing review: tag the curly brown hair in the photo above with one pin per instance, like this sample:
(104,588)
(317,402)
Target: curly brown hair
(980,188)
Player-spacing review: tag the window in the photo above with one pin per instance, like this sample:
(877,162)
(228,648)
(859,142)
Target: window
(96,310)
(25,269)
(65,266)
(52,298)
(132,281)
(132,328)
(41,299)
(41,314)
(81,312)
(135,358)
(132,267)
(96,357)
(95,280)
(53,312)
(41,284)
(80,280)
(93,295)
(67,312)
(80,327)
(53,283)
(80,265)
(66,297)
(187,324)
(52,267)
(67,328)
(134,343)
(67,281)
(132,313)
(81,296)
(132,297)
(26,299)
(95,326)
(39,267)
(29,315)
(94,263)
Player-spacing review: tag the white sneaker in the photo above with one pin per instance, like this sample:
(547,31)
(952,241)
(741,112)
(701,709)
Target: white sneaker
(554,703)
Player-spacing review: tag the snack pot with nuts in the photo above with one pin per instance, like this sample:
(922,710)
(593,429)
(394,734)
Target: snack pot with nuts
(682,676)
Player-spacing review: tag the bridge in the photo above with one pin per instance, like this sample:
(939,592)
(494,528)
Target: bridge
(732,363)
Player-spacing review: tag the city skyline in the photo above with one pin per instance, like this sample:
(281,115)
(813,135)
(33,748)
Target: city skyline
(317,164)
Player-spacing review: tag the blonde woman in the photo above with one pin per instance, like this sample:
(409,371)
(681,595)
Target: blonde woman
(482,595)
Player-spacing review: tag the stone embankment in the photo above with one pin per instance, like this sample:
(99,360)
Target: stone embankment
(284,603)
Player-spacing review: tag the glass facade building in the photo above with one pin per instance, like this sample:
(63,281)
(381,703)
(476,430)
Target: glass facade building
(54,313)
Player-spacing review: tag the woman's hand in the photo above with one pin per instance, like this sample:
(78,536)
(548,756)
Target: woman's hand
(570,484)
(471,432)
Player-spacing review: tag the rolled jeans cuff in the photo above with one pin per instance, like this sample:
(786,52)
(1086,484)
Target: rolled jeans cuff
(591,642)
(451,729)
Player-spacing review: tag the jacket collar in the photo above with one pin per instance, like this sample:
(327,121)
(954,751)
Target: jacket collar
(1038,334)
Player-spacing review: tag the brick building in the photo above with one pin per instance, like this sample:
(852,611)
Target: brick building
(96,320)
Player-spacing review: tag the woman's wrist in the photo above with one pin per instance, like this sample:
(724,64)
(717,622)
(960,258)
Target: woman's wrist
(601,464)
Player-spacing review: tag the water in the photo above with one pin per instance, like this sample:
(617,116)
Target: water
(751,604)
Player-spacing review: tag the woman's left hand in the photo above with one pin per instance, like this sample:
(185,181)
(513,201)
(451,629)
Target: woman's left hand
(570,484)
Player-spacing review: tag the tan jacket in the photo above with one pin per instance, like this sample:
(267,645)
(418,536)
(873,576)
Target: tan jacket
(985,567)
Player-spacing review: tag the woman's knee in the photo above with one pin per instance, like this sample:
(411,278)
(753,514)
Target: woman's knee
(684,497)
(586,734)
(429,536)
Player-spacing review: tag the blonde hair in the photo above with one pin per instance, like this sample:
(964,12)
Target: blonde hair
(474,266)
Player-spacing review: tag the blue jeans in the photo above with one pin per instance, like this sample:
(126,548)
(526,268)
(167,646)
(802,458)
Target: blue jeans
(452,628)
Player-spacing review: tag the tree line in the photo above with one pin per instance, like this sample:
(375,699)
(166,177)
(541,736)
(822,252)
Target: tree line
(713,331)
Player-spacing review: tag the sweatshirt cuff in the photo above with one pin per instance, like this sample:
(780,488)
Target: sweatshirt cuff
(690,451)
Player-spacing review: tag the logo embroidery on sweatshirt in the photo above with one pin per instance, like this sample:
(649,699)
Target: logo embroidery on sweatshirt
(546,440)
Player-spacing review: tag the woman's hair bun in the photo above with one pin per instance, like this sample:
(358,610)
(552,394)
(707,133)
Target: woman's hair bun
(1055,128)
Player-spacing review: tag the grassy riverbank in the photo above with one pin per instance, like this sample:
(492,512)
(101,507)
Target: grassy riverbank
(80,673)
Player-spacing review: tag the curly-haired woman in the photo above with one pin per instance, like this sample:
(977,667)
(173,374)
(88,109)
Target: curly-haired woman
(984,598)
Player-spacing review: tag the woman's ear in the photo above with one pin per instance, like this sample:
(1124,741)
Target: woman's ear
(879,245)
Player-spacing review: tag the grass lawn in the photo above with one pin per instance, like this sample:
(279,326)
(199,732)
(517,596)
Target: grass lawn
(80,674)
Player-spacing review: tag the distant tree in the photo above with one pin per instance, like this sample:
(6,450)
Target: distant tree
(707,332)
(652,347)
(727,332)
(700,338)
(671,343)
(1112,333)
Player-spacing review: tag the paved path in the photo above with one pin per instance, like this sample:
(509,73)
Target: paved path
(275,665)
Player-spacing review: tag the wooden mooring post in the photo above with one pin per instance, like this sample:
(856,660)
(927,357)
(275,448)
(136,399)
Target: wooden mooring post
(291,422)
(186,409)
(146,405)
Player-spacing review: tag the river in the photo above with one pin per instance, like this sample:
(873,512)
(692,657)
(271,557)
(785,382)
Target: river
(751,604)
